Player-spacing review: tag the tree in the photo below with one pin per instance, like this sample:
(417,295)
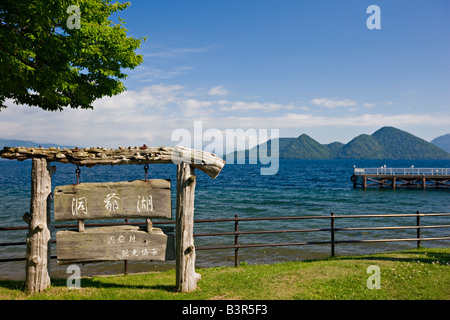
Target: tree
(53,56)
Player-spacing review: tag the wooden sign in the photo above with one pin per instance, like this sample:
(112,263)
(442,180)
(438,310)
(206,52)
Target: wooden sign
(130,199)
(113,244)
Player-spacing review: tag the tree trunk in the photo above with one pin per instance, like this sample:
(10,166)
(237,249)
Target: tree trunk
(186,277)
(39,236)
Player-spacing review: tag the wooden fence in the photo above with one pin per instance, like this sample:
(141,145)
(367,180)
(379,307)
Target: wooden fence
(329,227)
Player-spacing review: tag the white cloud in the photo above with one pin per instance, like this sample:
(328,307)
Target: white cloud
(369,105)
(176,52)
(151,73)
(299,120)
(192,107)
(218,91)
(329,103)
(161,89)
(249,106)
(150,115)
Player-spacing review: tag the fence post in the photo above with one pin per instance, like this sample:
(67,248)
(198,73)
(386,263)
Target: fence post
(418,229)
(236,240)
(125,262)
(332,234)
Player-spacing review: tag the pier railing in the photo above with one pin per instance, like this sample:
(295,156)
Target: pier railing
(329,228)
(403,171)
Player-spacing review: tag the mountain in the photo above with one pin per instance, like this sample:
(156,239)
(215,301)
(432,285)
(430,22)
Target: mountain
(391,143)
(334,148)
(27,144)
(443,142)
(385,143)
(304,147)
(403,145)
(362,147)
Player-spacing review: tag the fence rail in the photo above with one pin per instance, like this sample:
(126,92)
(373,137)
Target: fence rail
(403,171)
(332,229)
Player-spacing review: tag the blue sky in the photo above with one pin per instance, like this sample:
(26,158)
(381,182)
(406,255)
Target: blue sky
(298,66)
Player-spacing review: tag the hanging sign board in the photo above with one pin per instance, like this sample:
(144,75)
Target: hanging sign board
(112,200)
(113,244)
(130,199)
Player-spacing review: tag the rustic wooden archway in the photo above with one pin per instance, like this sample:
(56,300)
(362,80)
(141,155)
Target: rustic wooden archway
(39,234)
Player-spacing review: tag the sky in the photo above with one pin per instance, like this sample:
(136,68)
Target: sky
(309,66)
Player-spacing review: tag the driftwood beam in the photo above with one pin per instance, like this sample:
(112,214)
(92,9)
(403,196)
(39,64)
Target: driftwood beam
(204,161)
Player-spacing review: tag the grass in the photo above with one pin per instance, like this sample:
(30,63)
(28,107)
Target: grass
(420,274)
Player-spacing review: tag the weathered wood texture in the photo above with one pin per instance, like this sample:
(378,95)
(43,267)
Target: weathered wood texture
(186,277)
(113,244)
(204,161)
(37,276)
(39,235)
(132,199)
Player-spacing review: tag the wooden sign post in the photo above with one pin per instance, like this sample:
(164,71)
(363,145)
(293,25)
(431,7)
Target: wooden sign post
(186,277)
(112,200)
(38,239)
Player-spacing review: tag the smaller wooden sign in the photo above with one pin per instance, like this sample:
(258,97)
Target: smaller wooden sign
(113,244)
(126,199)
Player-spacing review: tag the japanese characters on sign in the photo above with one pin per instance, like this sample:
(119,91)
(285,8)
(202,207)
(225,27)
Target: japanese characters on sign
(114,243)
(129,240)
(112,203)
(133,199)
(79,205)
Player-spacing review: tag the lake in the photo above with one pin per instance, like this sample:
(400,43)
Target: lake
(300,188)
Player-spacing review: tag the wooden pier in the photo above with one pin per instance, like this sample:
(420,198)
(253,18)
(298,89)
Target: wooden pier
(401,177)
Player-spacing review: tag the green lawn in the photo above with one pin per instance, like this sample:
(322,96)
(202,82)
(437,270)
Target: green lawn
(413,274)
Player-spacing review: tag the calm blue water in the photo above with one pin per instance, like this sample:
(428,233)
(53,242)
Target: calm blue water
(301,187)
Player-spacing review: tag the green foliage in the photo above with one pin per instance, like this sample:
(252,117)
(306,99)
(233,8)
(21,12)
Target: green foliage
(45,63)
